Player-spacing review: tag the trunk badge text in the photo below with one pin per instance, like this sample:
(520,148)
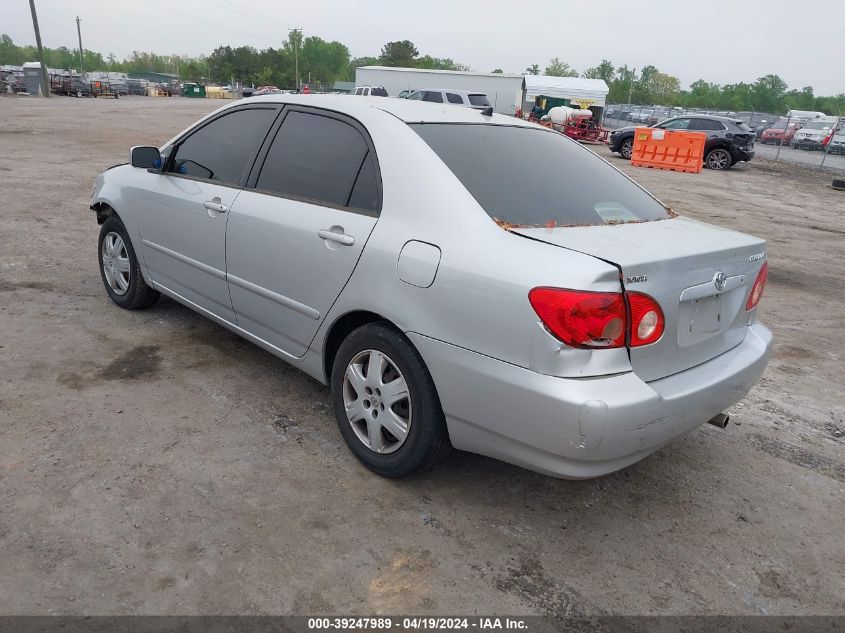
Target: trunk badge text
(636,279)
(754,258)
(720,280)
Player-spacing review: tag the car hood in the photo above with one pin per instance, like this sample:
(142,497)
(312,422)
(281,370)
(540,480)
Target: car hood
(627,128)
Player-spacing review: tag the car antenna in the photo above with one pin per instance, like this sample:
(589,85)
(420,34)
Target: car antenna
(488,111)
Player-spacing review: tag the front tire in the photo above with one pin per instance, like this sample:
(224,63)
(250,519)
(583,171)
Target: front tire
(718,159)
(626,149)
(119,268)
(385,403)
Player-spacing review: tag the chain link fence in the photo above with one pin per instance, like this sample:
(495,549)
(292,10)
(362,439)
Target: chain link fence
(790,147)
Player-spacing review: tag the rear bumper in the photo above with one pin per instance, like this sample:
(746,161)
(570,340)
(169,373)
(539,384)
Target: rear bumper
(586,427)
(742,154)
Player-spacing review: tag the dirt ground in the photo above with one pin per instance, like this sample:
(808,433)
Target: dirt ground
(152,462)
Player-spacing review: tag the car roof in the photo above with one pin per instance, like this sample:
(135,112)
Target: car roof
(712,117)
(403,109)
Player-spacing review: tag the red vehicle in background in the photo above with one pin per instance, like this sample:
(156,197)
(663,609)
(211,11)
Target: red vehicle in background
(781,131)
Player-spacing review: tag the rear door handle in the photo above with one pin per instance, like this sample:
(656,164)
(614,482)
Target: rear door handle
(215,205)
(340,238)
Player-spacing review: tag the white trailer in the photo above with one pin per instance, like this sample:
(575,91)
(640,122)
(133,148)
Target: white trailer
(504,91)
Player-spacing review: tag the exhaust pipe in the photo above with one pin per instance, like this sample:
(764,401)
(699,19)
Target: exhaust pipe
(721,420)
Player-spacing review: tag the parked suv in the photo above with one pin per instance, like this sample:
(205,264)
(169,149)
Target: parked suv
(477,100)
(729,141)
(370,91)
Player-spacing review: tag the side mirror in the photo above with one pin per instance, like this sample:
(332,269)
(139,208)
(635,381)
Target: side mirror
(145,157)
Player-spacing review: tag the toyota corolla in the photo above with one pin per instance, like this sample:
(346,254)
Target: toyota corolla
(458,278)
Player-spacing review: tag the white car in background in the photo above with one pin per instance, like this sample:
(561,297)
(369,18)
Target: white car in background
(477,100)
(811,135)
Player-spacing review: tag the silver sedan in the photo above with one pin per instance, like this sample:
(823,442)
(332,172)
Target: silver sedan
(459,279)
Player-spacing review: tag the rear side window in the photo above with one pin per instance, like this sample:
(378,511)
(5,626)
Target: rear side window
(453,98)
(220,150)
(365,194)
(555,182)
(434,97)
(314,157)
(708,125)
(479,100)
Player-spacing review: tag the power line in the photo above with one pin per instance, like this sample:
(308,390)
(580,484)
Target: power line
(196,17)
(246,13)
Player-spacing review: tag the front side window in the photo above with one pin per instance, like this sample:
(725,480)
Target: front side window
(556,182)
(434,97)
(314,157)
(675,124)
(453,98)
(416,96)
(359,91)
(219,151)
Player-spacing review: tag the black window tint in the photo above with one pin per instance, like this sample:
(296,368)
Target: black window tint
(313,157)
(556,181)
(434,97)
(378,92)
(453,98)
(479,100)
(365,192)
(708,125)
(219,151)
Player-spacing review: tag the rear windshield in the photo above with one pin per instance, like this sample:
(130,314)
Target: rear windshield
(742,125)
(479,100)
(529,177)
(378,92)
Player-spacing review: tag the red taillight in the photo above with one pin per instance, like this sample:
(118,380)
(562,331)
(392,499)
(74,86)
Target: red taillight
(598,319)
(581,319)
(647,320)
(757,288)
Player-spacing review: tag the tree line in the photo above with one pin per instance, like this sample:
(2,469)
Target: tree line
(323,62)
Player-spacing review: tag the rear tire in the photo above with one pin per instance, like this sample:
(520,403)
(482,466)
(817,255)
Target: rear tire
(119,268)
(718,159)
(385,403)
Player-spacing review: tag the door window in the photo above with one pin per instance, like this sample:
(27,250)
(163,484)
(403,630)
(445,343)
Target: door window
(365,193)
(453,98)
(220,150)
(359,91)
(434,97)
(416,96)
(676,124)
(708,125)
(315,157)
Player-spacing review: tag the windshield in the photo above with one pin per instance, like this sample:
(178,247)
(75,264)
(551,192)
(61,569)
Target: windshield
(818,125)
(554,182)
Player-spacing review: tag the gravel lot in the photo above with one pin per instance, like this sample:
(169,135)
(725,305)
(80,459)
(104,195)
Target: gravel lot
(152,462)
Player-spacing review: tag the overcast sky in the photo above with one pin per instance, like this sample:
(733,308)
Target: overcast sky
(722,41)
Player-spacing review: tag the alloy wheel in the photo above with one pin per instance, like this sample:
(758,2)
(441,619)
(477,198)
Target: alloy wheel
(115,259)
(377,401)
(718,159)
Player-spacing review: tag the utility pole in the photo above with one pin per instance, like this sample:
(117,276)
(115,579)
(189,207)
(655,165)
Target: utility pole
(296,53)
(45,80)
(79,33)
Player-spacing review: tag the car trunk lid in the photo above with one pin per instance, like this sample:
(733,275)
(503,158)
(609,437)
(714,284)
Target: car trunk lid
(699,274)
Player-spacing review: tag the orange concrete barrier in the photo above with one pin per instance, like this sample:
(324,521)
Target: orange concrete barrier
(676,150)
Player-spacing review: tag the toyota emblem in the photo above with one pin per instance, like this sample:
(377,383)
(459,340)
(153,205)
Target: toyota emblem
(720,280)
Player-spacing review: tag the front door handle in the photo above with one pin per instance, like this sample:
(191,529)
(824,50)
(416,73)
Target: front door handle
(339,237)
(215,205)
